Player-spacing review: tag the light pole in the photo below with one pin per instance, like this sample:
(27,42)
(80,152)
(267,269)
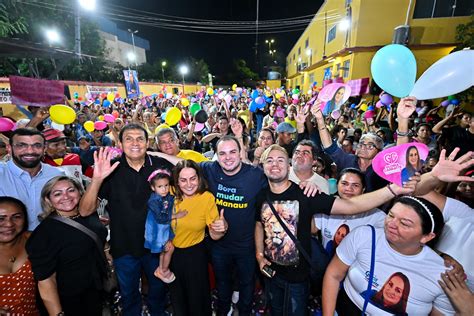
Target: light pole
(85,4)
(183,70)
(163,64)
(270,42)
(133,44)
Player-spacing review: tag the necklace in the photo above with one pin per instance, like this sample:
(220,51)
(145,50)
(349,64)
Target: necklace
(71,217)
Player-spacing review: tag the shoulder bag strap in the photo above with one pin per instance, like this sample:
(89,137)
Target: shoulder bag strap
(371,273)
(290,234)
(83,229)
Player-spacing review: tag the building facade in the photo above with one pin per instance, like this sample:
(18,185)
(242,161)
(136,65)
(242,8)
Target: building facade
(120,45)
(344,35)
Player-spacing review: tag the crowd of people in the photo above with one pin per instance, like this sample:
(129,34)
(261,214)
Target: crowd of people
(281,199)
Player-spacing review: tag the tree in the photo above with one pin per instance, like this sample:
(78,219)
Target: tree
(9,26)
(242,71)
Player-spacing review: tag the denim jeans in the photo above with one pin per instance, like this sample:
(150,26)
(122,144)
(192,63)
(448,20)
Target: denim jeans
(245,264)
(288,298)
(128,269)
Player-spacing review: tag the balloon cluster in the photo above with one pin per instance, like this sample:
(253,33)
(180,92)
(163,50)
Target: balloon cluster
(451,100)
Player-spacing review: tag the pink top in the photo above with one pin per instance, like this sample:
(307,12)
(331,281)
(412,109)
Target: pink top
(17,291)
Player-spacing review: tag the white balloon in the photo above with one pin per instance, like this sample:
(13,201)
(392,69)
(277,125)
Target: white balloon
(451,74)
(57,126)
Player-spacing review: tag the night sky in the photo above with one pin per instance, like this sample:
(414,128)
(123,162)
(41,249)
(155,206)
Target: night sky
(216,49)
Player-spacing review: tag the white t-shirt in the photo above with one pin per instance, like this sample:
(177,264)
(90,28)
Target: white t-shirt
(329,224)
(421,272)
(457,238)
(316,179)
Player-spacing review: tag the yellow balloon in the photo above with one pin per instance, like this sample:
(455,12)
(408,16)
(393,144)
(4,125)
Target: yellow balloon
(62,114)
(164,125)
(101,117)
(89,126)
(111,97)
(364,107)
(268,94)
(210,91)
(278,96)
(184,101)
(173,116)
(234,87)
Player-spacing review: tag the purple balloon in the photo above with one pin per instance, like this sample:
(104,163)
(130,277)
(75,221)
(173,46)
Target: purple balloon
(379,104)
(259,101)
(386,99)
(445,103)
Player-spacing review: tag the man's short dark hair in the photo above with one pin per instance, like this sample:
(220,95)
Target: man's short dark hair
(227,138)
(309,143)
(130,127)
(25,131)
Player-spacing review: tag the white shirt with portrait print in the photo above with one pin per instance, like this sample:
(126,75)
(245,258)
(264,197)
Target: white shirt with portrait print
(422,270)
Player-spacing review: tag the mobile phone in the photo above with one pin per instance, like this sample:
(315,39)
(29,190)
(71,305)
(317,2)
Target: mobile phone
(267,271)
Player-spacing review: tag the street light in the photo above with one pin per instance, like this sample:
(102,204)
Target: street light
(131,58)
(344,24)
(270,42)
(52,36)
(87,5)
(163,64)
(133,44)
(183,70)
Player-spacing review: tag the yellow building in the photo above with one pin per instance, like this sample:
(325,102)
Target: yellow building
(344,35)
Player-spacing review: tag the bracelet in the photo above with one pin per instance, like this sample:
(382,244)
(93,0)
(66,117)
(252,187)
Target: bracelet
(391,190)
(403,134)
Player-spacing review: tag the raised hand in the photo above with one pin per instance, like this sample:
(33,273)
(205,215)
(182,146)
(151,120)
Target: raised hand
(406,107)
(447,169)
(102,167)
(316,110)
(236,127)
(301,116)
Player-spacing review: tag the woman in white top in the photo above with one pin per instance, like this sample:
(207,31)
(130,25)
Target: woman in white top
(406,273)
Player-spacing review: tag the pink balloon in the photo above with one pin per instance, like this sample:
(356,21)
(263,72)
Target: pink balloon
(379,104)
(6,124)
(199,127)
(109,118)
(100,125)
(295,101)
(227,99)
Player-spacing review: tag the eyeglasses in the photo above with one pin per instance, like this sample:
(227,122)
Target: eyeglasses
(23,146)
(368,146)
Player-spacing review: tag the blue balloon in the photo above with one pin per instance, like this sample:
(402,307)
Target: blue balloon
(253,106)
(370,108)
(254,94)
(261,106)
(394,69)
(97,101)
(106,103)
(454,101)
(353,105)
(268,99)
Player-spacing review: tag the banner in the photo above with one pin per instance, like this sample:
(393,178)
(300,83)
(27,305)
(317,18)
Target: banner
(5,95)
(131,83)
(36,92)
(359,86)
(98,90)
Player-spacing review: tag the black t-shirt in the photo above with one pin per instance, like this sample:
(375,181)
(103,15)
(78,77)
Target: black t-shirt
(57,247)
(127,192)
(457,136)
(296,210)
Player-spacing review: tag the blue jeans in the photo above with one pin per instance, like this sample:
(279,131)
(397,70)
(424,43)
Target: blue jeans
(288,298)
(244,264)
(128,269)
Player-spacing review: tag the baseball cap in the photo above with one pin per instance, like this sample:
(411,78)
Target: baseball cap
(285,128)
(53,135)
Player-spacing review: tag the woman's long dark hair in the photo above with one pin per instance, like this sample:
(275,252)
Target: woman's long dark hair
(401,307)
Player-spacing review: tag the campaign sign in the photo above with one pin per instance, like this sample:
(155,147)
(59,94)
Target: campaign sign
(334,94)
(131,83)
(397,164)
(36,92)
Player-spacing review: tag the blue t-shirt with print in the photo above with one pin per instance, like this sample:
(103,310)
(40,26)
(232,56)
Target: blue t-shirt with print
(237,195)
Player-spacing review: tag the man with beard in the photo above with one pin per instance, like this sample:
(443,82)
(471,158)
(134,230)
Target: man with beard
(289,286)
(24,176)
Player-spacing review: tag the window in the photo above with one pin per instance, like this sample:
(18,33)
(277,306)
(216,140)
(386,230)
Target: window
(442,8)
(311,78)
(331,33)
(348,2)
(306,43)
(299,51)
(294,57)
(347,66)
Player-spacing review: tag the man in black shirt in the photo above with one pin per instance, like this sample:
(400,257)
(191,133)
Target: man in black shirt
(274,248)
(127,191)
